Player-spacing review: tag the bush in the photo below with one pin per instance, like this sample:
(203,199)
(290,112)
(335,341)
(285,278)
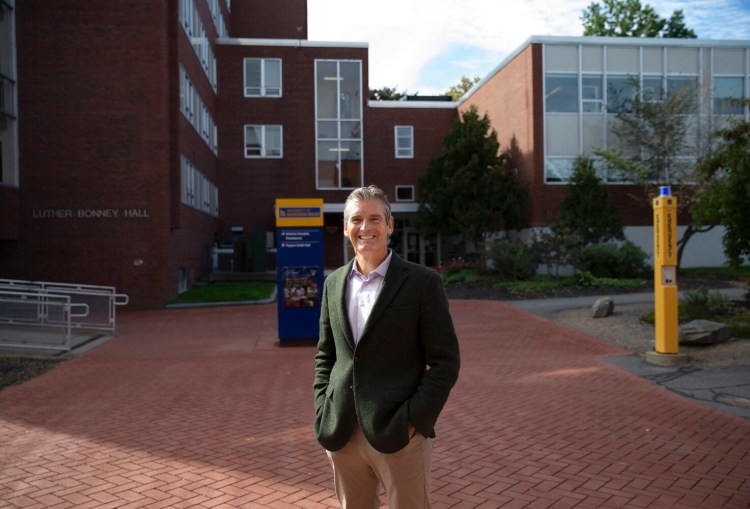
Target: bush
(459,271)
(610,260)
(554,248)
(513,261)
(701,304)
(582,279)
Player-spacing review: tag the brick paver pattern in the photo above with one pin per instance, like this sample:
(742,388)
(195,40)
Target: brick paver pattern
(202,408)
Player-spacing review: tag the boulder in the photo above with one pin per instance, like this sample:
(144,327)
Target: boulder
(602,307)
(704,332)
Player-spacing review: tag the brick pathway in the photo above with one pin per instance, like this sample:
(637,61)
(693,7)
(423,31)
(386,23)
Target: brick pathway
(201,408)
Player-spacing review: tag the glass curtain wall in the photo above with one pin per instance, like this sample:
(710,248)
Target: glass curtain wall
(586,86)
(338,112)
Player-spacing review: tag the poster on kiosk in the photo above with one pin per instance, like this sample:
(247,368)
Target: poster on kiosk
(299,266)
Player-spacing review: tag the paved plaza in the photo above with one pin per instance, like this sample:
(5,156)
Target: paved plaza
(202,408)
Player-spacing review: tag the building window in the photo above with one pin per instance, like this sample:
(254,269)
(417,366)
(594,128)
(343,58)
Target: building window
(197,191)
(592,97)
(652,90)
(262,77)
(621,93)
(196,112)
(404,136)
(404,193)
(561,93)
(338,126)
(686,85)
(726,94)
(263,141)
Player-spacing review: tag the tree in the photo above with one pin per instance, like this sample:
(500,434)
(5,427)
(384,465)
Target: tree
(653,133)
(458,91)
(467,188)
(726,196)
(586,211)
(628,18)
(386,94)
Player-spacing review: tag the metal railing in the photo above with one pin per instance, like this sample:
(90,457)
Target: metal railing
(101,300)
(38,320)
(40,314)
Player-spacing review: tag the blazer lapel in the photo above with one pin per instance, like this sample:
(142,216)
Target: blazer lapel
(338,304)
(394,279)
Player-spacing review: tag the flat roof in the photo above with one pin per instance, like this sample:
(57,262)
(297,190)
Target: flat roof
(446,105)
(300,43)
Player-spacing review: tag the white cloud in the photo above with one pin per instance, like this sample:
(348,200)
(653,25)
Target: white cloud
(408,37)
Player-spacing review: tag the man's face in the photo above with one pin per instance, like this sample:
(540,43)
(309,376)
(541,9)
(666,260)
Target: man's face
(367,227)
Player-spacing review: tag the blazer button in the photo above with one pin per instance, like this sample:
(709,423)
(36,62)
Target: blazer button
(351,387)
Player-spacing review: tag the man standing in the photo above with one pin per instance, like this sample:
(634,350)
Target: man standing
(387,359)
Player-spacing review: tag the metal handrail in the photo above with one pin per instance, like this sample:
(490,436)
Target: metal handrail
(105,319)
(40,305)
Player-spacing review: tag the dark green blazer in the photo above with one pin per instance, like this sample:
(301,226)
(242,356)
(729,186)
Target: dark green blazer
(400,372)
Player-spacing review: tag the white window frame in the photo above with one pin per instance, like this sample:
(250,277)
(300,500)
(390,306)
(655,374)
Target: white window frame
(264,90)
(399,134)
(264,150)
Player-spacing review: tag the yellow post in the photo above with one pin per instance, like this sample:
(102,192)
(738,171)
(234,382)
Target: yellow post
(665,279)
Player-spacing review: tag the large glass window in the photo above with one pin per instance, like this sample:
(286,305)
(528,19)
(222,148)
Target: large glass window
(338,111)
(620,93)
(652,90)
(684,85)
(561,93)
(404,135)
(263,141)
(727,91)
(262,77)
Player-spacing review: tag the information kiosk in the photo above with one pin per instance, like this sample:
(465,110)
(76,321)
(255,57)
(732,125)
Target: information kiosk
(299,266)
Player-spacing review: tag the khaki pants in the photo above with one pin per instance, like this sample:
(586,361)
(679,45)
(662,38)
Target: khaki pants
(358,469)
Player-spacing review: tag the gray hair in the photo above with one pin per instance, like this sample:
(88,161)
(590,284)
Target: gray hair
(365,194)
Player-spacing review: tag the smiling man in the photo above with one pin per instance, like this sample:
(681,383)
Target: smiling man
(387,359)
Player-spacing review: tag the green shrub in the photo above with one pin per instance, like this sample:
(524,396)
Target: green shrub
(611,260)
(513,261)
(459,271)
(741,327)
(553,249)
(582,279)
(701,304)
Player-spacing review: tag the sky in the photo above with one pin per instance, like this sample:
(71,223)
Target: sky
(426,46)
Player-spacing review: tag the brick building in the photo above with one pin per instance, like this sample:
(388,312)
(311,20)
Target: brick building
(134,136)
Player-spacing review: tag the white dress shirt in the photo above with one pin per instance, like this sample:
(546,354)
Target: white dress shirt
(361,294)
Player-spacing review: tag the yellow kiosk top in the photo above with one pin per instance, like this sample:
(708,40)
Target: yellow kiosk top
(295,212)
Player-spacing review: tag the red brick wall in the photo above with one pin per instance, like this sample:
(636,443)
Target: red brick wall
(511,99)
(261,19)
(249,187)
(93,136)
(383,168)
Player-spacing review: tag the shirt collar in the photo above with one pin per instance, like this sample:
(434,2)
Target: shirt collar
(381,269)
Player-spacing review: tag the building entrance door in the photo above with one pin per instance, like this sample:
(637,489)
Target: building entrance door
(408,243)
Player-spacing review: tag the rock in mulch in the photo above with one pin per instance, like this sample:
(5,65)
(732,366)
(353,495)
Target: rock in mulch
(602,307)
(704,332)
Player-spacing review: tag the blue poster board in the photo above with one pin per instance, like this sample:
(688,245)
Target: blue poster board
(299,269)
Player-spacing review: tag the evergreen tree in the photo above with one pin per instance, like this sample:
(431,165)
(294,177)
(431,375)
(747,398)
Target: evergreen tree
(586,211)
(467,188)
